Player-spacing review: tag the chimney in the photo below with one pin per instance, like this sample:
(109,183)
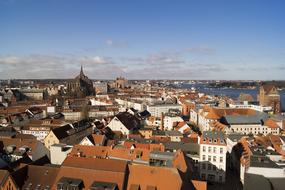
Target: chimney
(162,122)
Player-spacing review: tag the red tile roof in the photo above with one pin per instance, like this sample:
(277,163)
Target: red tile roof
(159,177)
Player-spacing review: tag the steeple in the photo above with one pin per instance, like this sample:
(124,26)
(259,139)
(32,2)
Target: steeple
(81,71)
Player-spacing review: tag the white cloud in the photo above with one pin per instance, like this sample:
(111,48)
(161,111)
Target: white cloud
(109,42)
(200,50)
(95,60)
(9,60)
(116,43)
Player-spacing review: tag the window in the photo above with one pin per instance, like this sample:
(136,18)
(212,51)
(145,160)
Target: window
(215,150)
(211,177)
(209,167)
(203,176)
(203,166)
(204,149)
(209,149)
(221,159)
(214,159)
(59,186)
(220,178)
(221,150)
(209,158)
(204,157)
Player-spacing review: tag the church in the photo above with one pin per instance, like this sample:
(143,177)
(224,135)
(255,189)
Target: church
(81,86)
(269,96)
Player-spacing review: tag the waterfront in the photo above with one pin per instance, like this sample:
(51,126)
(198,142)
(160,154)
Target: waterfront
(230,92)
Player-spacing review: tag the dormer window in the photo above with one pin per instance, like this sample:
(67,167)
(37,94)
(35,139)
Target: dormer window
(215,140)
(210,140)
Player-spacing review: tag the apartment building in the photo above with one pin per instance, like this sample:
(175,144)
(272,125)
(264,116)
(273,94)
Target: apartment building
(157,109)
(213,151)
(41,128)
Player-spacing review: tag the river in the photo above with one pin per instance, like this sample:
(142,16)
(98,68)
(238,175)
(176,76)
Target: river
(230,92)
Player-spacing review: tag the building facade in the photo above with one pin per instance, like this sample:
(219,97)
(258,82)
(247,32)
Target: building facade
(213,151)
(269,96)
(81,86)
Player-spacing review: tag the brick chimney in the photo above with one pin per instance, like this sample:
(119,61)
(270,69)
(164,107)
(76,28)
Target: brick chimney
(162,122)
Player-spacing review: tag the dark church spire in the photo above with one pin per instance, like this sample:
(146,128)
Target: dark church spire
(81,71)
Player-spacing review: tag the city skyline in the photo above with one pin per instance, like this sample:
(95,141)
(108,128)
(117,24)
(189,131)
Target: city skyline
(223,40)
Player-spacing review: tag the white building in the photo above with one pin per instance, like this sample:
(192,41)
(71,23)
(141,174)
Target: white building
(194,116)
(205,117)
(124,122)
(100,87)
(251,125)
(58,153)
(41,128)
(126,104)
(183,127)
(262,162)
(169,120)
(100,102)
(245,105)
(158,109)
(213,151)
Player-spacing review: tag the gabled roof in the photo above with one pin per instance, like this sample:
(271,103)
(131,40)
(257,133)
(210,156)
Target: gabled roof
(267,88)
(128,120)
(212,115)
(66,130)
(91,170)
(40,176)
(156,177)
(213,137)
(96,139)
(217,126)
(143,145)
(135,155)
(19,142)
(144,114)
(95,164)
(61,132)
(89,151)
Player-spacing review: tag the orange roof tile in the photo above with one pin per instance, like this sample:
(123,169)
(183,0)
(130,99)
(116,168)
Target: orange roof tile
(271,123)
(90,170)
(95,164)
(128,154)
(89,151)
(159,177)
(199,185)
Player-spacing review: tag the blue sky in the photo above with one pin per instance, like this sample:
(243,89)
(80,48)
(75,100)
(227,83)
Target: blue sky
(143,39)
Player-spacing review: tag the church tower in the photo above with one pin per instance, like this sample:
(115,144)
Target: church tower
(81,86)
